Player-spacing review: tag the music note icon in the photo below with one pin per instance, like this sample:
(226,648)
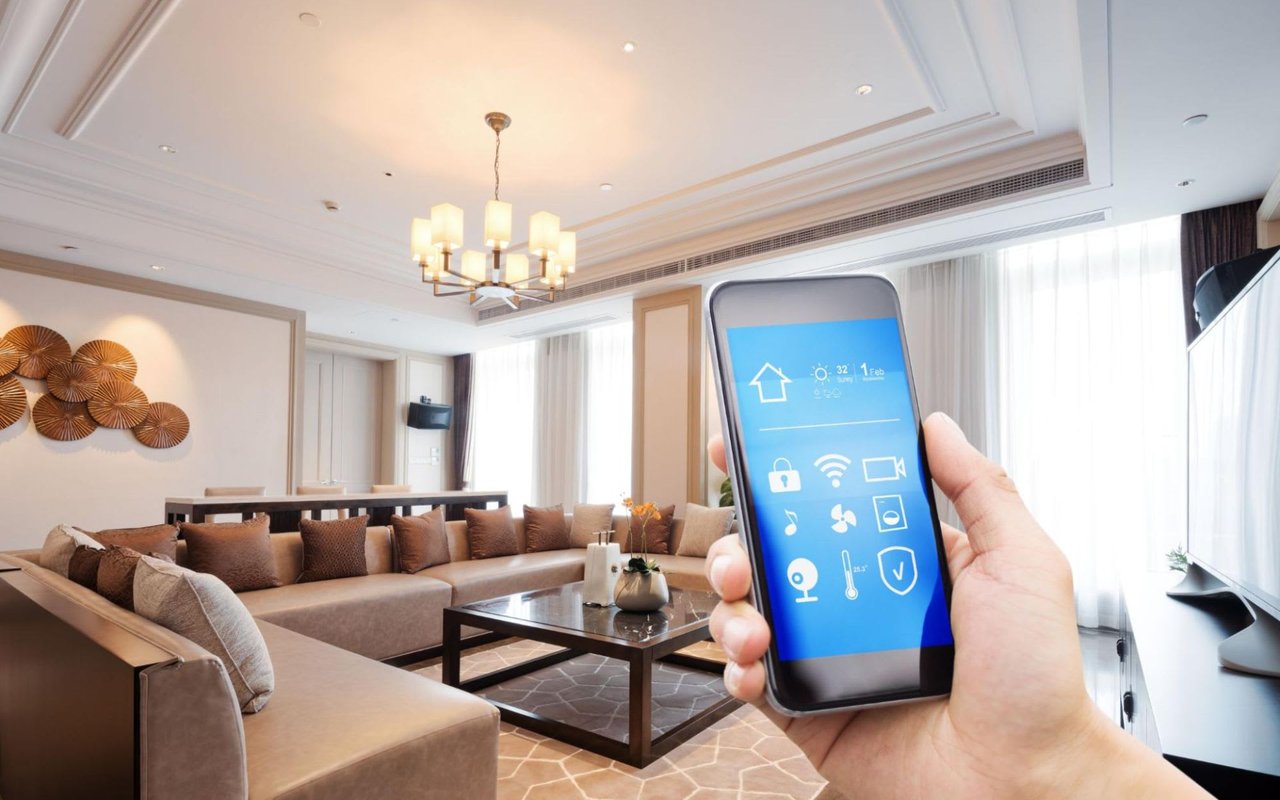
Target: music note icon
(790,530)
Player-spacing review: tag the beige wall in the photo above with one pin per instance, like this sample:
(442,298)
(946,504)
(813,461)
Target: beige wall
(669,443)
(426,462)
(232,372)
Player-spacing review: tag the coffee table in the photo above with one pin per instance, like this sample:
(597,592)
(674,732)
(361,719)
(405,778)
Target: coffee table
(558,617)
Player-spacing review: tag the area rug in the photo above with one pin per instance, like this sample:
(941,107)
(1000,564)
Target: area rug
(742,756)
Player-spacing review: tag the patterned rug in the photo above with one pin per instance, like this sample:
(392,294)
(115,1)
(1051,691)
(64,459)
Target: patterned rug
(741,756)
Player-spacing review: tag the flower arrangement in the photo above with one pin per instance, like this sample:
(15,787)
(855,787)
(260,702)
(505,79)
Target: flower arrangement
(645,512)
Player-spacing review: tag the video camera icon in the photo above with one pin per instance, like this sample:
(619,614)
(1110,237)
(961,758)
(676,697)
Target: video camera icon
(883,468)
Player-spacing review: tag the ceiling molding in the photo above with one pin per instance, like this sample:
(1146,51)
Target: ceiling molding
(65,19)
(991,36)
(892,10)
(145,26)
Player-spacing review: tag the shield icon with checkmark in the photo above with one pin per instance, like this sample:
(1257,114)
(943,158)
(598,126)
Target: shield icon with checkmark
(898,568)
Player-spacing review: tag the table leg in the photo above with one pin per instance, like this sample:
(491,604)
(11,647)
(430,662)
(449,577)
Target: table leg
(640,734)
(451,662)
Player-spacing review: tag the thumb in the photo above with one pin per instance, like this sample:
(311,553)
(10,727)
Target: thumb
(984,496)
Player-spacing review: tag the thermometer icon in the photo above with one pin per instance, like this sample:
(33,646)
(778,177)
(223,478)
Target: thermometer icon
(850,591)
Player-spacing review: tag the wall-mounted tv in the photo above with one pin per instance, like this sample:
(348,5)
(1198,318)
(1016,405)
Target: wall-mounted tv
(426,415)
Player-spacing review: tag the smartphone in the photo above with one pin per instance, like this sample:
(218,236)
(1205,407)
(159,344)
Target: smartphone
(826,454)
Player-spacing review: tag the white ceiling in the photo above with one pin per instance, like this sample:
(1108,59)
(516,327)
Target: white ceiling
(733,119)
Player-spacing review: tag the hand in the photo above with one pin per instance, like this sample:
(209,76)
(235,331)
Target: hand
(1018,722)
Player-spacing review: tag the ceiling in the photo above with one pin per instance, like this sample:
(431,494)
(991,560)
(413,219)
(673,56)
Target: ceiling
(731,120)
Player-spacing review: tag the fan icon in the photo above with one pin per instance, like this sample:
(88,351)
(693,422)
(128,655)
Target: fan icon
(844,518)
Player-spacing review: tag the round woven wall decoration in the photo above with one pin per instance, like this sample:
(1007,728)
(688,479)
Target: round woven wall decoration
(9,356)
(166,425)
(113,359)
(118,404)
(73,382)
(13,401)
(39,349)
(60,420)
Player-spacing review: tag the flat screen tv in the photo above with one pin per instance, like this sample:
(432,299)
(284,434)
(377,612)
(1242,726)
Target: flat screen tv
(1233,467)
(426,415)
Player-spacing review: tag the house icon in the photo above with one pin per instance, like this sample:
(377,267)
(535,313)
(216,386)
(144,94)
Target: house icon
(771,384)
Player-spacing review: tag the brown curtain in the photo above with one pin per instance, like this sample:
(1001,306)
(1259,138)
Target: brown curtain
(1211,236)
(461,418)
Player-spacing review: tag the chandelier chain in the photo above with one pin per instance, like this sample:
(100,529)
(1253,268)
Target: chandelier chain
(497,149)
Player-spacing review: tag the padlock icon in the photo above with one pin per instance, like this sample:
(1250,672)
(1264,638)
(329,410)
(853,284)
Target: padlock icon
(783,480)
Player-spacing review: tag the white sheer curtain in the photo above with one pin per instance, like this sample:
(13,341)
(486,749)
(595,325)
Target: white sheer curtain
(1092,399)
(500,455)
(608,418)
(561,411)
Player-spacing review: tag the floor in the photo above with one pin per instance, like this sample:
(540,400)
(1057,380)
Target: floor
(741,757)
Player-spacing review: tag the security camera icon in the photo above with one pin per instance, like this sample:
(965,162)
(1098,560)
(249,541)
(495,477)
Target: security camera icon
(803,576)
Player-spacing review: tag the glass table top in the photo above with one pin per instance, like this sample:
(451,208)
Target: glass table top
(562,607)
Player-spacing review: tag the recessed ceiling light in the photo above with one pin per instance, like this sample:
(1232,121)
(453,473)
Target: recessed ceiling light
(351,333)
(168,149)
(310,20)
(158,267)
(1185,182)
(628,47)
(332,206)
(68,247)
(1197,119)
(606,187)
(388,174)
(865,89)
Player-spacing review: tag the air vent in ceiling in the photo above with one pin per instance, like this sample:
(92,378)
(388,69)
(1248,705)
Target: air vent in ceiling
(1055,175)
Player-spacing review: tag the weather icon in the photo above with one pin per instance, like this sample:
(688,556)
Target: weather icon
(820,373)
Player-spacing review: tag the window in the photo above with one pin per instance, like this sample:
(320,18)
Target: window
(502,422)
(608,418)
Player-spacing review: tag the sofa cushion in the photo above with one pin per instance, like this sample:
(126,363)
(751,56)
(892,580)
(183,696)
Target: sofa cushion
(60,544)
(658,530)
(237,552)
(333,549)
(420,541)
(342,726)
(491,532)
(115,575)
(149,539)
(545,529)
(587,520)
(684,572)
(378,616)
(203,609)
(702,527)
(493,577)
(83,567)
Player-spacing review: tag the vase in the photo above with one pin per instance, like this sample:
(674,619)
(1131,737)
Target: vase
(637,591)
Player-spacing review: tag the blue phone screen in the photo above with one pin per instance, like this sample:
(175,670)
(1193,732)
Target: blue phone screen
(831,450)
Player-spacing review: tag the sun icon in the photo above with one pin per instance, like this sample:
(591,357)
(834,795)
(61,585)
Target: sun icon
(820,373)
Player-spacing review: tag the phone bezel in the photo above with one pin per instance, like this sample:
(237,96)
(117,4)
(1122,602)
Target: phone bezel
(833,682)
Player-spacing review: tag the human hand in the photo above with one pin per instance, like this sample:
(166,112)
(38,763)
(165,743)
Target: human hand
(1018,722)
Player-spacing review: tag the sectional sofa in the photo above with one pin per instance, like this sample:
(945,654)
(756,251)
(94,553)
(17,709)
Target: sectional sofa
(342,722)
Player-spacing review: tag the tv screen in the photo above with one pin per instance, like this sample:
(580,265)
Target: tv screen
(1233,443)
(430,416)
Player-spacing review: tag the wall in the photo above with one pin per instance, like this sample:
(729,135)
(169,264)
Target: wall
(232,372)
(426,459)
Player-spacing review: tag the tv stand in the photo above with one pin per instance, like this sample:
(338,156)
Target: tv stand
(1256,649)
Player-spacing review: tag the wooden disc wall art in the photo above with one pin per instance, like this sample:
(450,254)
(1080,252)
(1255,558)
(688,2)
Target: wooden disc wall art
(39,350)
(118,404)
(111,359)
(9,356)
(62,421)
(73,382)
(166,425)
(13,401)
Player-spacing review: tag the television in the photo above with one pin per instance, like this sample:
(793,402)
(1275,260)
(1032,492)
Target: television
(1233,468)
(426,415)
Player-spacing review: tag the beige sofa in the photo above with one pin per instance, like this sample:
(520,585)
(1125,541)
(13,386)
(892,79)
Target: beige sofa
(340,724)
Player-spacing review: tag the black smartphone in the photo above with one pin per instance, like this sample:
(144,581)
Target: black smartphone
(826,454)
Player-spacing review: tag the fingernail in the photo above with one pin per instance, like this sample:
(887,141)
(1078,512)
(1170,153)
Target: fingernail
(732,676)
(716,572)
(734,636)
(953,424)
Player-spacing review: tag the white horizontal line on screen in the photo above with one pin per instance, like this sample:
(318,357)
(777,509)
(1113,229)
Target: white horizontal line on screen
(831,424)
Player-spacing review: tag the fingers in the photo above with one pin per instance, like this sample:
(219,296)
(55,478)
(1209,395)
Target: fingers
(985,498)
(715,449)
(740,630)
(745,682)
(728,569)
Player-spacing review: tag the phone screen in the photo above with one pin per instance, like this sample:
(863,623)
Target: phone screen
(831,452)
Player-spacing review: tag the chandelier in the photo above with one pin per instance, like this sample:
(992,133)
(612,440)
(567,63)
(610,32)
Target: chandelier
(436,243)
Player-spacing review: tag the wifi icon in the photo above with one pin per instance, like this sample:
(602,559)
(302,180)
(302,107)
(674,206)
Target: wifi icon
(834,466)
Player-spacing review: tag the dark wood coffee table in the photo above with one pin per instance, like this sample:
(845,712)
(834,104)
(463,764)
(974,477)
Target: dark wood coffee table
(558,617)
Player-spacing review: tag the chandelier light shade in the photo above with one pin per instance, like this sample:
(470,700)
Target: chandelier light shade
(435,244)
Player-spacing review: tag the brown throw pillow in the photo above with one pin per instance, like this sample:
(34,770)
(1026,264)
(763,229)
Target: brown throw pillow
(333,549)
(702,527)
(491,533)
(154,539)
(658,530)
(83,567)
(545,529)
(237,552)
(420,541)
(115,575)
